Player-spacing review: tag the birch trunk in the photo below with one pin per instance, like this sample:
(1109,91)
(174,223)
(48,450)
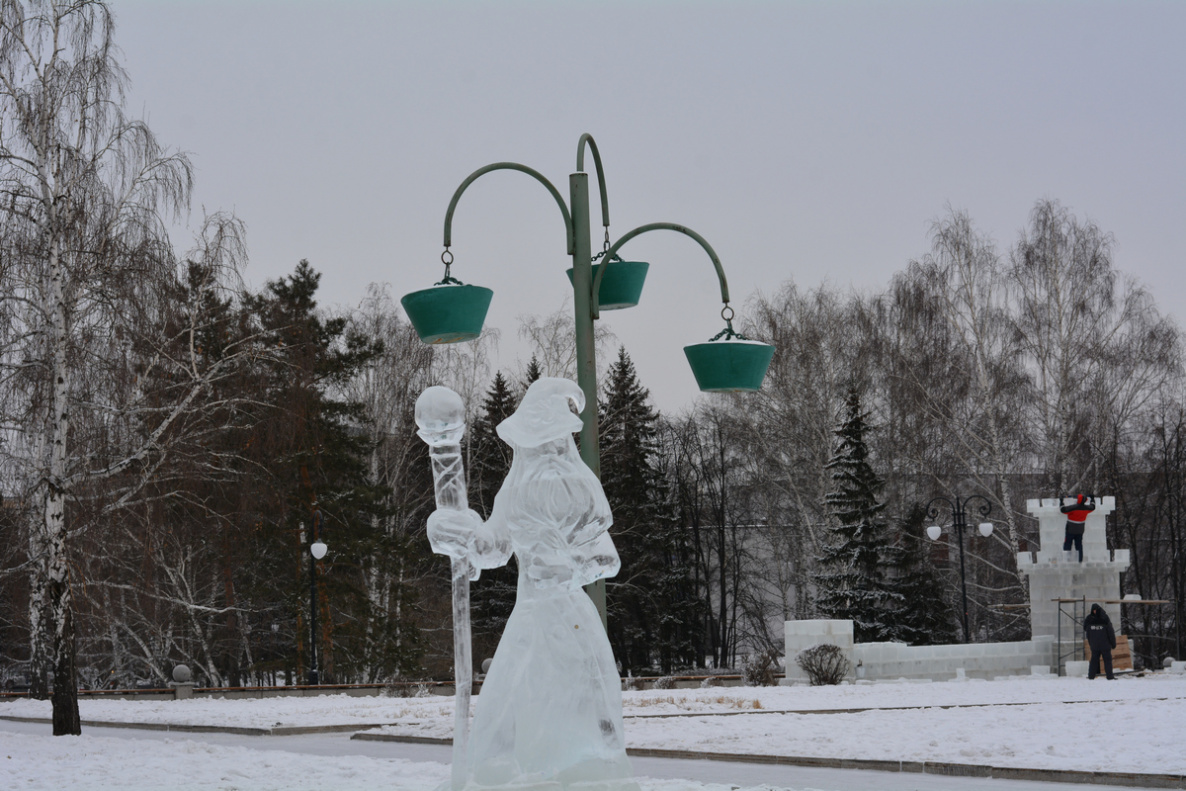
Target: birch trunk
(57,565)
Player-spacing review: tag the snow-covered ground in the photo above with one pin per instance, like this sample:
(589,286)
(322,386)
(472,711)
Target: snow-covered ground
(1133,724)
(1128,725)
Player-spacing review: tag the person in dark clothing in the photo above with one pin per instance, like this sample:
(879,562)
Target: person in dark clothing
(1076,519)
(1097,628)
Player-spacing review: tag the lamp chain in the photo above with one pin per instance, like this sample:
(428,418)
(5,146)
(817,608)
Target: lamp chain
(447,260)
(728,333)
(605,249)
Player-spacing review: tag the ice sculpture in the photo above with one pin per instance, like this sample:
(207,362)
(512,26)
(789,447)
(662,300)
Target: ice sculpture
(550,712)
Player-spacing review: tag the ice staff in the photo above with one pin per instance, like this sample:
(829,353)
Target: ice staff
(440,415)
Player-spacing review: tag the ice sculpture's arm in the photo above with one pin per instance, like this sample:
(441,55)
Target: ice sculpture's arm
(463,534)
(593,550)
(492,545)
(594,518)
(596,560)
(550,558)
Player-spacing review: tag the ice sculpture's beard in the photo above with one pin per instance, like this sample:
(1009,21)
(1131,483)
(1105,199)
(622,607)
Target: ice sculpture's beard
(549,486)
(555,510)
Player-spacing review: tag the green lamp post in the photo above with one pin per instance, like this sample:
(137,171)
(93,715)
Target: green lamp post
(451,311)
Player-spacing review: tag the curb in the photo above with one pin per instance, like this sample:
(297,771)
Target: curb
(1128,779)
(283,730)
(363,736)
(1131,779)
(301,730)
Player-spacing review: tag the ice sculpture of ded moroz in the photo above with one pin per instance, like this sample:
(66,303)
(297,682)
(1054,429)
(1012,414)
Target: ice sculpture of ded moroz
(550,712)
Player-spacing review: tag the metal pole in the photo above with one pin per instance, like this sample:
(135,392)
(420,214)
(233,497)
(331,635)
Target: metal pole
(1058,645)
(959,528)
(582,298)
(313,609)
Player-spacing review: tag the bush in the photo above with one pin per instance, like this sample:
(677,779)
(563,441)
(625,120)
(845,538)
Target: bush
(824,664)
(663,682)
(407,689)
(759,668)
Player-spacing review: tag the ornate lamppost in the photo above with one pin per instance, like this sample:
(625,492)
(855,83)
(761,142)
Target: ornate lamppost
(959,521)
(452,311)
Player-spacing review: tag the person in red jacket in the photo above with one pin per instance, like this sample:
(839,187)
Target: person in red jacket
(1076,519)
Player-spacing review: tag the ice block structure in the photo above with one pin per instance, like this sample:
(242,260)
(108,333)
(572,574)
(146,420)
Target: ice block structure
(1055,574)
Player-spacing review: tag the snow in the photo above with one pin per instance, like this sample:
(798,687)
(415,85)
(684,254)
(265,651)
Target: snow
(1132,724)
(1105,737)
(265,713)
(101,763)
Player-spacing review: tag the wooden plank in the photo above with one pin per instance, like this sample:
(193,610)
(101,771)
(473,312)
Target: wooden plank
(1121,654)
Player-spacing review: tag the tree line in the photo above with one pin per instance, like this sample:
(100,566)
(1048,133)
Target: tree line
(169,437)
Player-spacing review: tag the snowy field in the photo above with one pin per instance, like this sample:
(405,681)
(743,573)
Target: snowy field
(1133,724)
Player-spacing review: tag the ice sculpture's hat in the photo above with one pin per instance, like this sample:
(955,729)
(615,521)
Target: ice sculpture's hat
(544,415)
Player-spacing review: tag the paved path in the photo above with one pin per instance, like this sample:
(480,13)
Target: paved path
(859,710)
(780,777)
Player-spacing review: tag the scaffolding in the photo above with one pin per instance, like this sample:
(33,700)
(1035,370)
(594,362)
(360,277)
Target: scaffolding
(1078,611)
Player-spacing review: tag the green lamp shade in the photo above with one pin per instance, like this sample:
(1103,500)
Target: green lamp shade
(448,314)
(729,366)
(621,286)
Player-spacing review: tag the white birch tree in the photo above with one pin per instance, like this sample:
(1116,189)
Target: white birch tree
(963,289)
(1094,345)
(84,193)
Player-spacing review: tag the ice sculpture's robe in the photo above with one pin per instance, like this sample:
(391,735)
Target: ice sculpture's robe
(551,704)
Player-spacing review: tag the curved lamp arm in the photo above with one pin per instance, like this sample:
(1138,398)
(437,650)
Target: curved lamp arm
(984,510)
(959,509)
(933,510)
(508,166)
(659,226)
(588,138)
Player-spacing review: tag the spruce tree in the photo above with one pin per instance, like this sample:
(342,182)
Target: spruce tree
(493,595)
(652,616)
(313,447)
(490,457)
(533,372)
(855,582)
(925,618)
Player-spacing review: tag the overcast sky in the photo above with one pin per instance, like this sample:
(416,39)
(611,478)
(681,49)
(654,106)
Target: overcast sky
(807,141)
